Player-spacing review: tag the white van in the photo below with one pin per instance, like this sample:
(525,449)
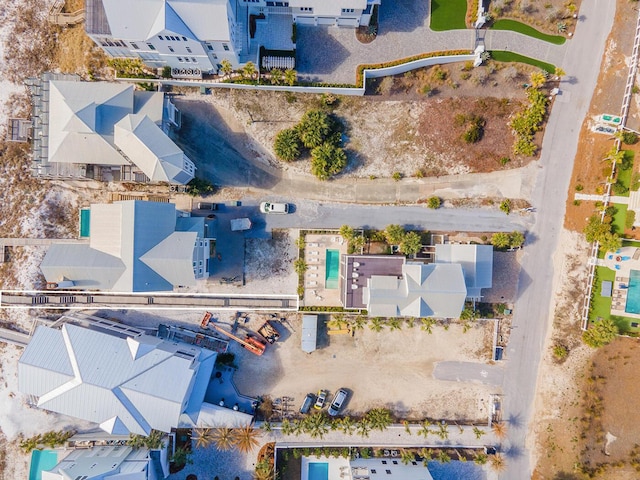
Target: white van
(268,207)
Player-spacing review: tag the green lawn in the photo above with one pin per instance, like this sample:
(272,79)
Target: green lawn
(502,56)
(624,176)
(619,218)
(448,15)
(516,26)
(601,306)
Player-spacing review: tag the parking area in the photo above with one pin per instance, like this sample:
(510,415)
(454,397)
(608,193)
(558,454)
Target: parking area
(388,368)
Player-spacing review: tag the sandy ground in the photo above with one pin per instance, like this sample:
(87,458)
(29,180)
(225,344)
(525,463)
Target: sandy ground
(390,368)
(558,392)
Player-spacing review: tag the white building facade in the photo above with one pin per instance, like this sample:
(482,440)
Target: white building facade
(193,37)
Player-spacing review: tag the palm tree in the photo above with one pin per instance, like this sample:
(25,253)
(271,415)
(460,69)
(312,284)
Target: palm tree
(443,431)
(135,441)
(406,457)
(363,428)
(359,322)
(559,73)
(424,429)
(316,425)
(249,70)
(337,322)
(276,76)
(226,68)
(378,418)
(407,427)
(478,432)
(537,79)
(562,27)
(223,438)
(346,425)
(426,455)
(395,324)
(266,426)
(376,324)
(246,438)
(154,440)
(480,458)
(202,437)
(264,471)
(498,462)
(443,457)
(427,324)
(290,77)
(499,429)
(286,427)
(298,427)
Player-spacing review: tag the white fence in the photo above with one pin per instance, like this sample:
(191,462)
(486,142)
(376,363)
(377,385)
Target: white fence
(353,91)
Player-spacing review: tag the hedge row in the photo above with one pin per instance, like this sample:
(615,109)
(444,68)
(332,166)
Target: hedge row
(376,66)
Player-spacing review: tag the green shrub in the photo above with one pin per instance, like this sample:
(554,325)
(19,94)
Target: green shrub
(287,144)
(629,138)
(600,333)
(577,203)
(505,206)
(327,160)
(560,352)
(434,202)
(200,187)
(619,188)
(630,219)
(504,160)
(166,71)
(579,188)
(397,176)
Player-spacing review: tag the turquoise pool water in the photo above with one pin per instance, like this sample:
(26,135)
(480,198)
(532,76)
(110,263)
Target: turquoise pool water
(318,471)
(633,293)
(332,269)
(41,460)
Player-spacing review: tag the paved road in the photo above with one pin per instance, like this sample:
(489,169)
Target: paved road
(469,372)
(532,311)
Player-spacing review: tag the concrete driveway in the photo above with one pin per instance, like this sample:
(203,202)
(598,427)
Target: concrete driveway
(330,54)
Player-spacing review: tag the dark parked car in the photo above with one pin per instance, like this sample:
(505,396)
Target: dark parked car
(308,402)
(337,402)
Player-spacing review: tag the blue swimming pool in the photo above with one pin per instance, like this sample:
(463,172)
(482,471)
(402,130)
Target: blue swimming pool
(318,471)
(332,269)
(633,293)
(41,460)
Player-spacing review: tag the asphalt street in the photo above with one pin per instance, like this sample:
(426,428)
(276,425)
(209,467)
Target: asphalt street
(532,312)
(469,372)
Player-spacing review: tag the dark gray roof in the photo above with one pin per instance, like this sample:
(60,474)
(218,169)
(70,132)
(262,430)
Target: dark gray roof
(96,18)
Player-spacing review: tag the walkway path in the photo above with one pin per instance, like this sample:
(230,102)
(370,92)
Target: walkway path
(602,198)
(332,55)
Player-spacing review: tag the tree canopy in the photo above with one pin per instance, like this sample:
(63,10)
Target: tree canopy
(287,144)
(600,333)
(327,160)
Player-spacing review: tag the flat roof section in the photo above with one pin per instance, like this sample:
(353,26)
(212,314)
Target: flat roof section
(309,333)
(356,270)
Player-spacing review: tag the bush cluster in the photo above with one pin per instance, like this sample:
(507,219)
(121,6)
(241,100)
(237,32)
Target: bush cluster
(375,66)
(318,133)
(526,123)
(503,240)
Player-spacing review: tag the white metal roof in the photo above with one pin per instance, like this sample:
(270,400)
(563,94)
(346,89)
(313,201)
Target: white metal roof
(146,145)
(329,8)
(476,261)
(436,290)
(144,19)
(134,247)
(111,385)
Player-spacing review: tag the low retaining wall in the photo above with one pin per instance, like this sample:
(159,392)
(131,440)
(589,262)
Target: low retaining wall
(355,91)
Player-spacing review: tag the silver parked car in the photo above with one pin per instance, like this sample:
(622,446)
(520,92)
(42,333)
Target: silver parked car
(337,402)
(269,207)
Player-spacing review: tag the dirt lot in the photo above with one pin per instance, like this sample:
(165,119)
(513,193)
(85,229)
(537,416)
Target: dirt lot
(544,16)
(399,128)
(589,169)
(390,368)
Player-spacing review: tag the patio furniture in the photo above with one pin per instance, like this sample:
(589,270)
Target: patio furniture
(313,267)
(356,264)
(313,275)
(314,245)
(312,284)
(314,252)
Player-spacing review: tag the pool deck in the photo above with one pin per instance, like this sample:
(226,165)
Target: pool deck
(315,255)
(337,467)
(622,262)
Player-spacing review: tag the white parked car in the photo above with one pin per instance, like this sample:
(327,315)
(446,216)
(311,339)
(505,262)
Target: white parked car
(268,207)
